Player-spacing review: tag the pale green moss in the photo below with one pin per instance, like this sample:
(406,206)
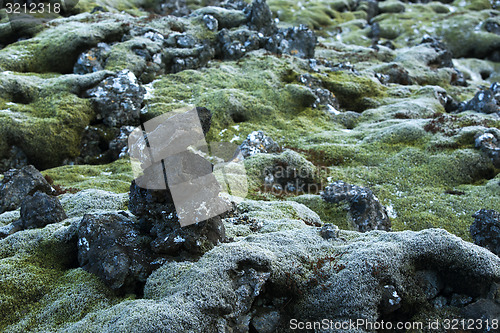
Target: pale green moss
(115,177)
(329,213)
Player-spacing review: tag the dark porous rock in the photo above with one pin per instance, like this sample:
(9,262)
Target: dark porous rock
(329,231)
(394,73)
(323,96)
(151,199)
(298,41)
(92,60)
(41,209)
(211,22)
(158,218)
(118,147)
(93,145)
(390,301)
(258,142)
(260,17)
(118,99)
(489,142)
(233,45)
(491,25)
(443,57)
(366,210)
(485,230)
(430,282)
(205,117)
(15,159)
(485,100)
(485,310)
(266,321)
(19,183)
(111,247)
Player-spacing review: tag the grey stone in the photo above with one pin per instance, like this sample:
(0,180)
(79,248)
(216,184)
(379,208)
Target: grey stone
(41,209)
(485,230)
(19,183)
(366,210)
(111,247)
(118,99)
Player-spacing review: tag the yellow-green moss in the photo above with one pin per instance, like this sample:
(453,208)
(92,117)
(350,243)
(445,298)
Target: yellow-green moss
(115,177)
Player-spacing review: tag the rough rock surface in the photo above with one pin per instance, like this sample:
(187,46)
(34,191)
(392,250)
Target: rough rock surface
(40,209)
(110,246)
(258,142)
(118,99)
(486,230)
(489,143)
(157,216)
(366,210)
(398,96)
(19,183)
(259,276)
(485,100)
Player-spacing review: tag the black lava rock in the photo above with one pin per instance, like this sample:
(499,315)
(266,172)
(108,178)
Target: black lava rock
(15,159)
(233,45)
(92,60)
(118,147)
(390,301)
(41,209)
(258,142)
(19,183)
(158,218)
(298,41)
(366,210)
(444,57)
(489,142)
(260,17)
(156,210)
(324,97)
(485,100)
(485,230)
(205,116)
(485,311)
(111,247)
(118,99)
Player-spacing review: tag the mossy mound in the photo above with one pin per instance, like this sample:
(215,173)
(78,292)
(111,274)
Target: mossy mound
(114,177)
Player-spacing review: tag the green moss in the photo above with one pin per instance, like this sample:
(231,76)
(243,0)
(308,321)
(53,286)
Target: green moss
(250,93)
(49,129)
(354,92)
(329,213)
(115,177)
(56,49)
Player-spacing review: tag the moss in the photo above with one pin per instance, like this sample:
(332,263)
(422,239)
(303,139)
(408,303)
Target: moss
(329,213)
(31,271)
(50,129)
(115,177)
(249,92)
(354,92)
(472,4)
(56,49)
